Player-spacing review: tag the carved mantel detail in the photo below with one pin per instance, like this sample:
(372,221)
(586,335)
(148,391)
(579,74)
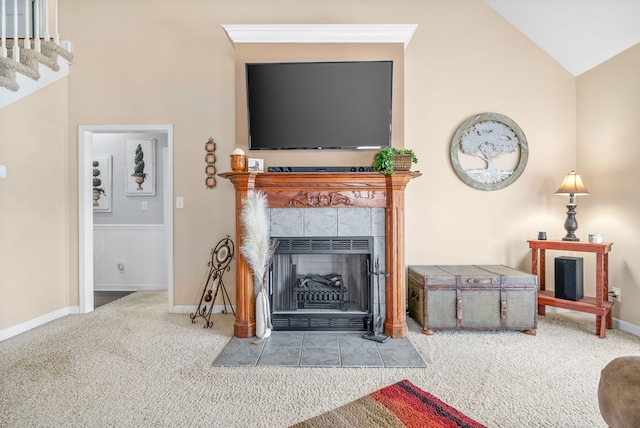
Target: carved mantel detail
(327,189)
(333,199)
(322,199)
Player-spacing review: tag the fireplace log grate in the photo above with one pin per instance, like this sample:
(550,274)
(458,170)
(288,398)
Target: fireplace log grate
(321,292)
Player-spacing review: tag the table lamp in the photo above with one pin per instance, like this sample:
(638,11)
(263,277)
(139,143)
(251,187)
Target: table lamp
(571,186)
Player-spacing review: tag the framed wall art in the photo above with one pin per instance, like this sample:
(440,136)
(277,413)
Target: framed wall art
(140,174)
(489,151)
(255,165)
(102,184)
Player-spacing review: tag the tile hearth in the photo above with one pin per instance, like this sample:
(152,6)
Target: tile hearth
(319,349)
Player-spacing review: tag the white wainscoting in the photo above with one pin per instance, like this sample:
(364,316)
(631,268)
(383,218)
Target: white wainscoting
(138,248)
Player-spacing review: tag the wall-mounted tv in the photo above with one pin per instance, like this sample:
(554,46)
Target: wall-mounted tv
(319,105)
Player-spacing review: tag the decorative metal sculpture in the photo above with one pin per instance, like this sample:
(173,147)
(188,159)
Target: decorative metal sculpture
(492,147)
(221,256)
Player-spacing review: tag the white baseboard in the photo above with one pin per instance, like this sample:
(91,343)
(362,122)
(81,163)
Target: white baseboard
(185,309)
(129,287)
(36,322)
(626,327)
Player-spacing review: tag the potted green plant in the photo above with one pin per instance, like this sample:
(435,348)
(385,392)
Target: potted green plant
(390,160)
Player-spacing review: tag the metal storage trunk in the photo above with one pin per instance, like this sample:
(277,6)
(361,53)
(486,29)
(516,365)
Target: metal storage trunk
(473,297)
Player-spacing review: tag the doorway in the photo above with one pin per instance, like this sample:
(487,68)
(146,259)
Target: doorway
(86,135)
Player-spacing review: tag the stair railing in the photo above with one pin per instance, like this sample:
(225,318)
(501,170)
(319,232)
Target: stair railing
(16,47)
(29,31)
(3,35)
(36,25)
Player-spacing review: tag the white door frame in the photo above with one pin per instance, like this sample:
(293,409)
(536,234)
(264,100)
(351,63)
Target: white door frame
(85,205)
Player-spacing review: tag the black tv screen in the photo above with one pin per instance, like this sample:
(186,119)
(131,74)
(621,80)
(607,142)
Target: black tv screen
(319,105)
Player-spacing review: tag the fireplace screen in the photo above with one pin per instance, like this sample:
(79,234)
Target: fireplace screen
(317,278)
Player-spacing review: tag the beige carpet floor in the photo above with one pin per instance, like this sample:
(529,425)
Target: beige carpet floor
(131,364)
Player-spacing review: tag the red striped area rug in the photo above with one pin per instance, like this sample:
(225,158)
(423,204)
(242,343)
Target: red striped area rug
(399,405)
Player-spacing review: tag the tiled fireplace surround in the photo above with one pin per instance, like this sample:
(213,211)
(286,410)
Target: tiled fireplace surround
(330,222)
(330,205)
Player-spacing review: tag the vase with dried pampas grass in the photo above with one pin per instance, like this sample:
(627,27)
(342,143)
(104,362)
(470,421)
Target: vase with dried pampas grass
(257,248)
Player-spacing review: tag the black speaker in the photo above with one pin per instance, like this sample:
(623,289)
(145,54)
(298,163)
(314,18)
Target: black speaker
(569,278)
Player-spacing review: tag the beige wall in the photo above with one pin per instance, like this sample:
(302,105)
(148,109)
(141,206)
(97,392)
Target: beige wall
(36,273)
(608,155)
(161,62)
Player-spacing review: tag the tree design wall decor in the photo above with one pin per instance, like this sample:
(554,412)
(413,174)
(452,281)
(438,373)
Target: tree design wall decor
(140,167)
(489,151)
(97,182)
(102,183)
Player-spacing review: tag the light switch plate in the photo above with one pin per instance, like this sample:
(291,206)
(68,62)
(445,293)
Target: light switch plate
(3,171)
(179,202)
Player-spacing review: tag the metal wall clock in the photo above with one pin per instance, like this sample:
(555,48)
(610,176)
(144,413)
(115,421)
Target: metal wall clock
(489,151)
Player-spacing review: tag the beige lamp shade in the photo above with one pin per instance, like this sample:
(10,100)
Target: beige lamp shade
(572,185)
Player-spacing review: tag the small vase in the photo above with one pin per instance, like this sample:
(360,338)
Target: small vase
(263,320)
(96,197)
(139,180)
(238,163)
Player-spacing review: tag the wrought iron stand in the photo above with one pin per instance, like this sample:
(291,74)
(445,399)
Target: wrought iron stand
(221,256)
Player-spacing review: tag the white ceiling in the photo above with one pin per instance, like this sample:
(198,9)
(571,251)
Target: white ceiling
(579,34)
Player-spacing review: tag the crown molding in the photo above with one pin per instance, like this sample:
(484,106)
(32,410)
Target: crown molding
(320,33)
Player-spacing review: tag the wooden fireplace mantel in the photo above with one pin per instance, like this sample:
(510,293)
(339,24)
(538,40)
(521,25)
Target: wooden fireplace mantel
(328,189)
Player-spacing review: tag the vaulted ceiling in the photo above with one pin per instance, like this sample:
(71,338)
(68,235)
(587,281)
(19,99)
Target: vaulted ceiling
(579,34)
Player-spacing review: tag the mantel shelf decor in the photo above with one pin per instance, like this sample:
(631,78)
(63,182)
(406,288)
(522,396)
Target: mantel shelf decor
(390,160)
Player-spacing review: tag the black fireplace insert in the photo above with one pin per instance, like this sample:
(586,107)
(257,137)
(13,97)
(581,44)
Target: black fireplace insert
(321,284)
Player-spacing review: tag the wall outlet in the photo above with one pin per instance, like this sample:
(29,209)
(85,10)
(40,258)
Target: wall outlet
(614,294)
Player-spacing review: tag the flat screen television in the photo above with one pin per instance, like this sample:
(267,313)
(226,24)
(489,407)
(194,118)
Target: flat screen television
(319,105)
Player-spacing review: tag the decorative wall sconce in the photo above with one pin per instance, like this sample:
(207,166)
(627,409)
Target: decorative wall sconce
(210,159)
(571,186)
